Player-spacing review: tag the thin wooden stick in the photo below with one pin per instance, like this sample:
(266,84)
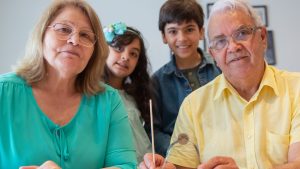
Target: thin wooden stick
(152,132)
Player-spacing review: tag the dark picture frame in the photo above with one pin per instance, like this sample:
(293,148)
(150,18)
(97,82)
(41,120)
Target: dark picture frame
(208,9)
(262,11)
(270,52)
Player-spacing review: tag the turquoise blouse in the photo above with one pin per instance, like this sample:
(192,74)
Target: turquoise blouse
(98,136)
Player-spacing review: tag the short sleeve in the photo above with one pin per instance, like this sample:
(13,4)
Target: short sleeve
(295,125)
(184,155)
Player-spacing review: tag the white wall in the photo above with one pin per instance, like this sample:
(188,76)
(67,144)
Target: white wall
(17,18)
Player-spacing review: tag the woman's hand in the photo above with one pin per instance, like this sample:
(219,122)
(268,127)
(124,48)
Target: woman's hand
(159,162)
(45,165)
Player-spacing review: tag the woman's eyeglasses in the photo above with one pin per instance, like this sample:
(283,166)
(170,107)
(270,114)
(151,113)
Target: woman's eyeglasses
(65,32)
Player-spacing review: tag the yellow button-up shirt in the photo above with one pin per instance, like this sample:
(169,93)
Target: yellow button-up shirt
(255,133)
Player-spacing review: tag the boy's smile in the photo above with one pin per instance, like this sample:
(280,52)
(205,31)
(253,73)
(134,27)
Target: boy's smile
(183,39)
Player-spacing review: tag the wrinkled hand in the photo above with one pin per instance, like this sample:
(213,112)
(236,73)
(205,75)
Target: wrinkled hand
(45,165)
(159,161)
(219,163)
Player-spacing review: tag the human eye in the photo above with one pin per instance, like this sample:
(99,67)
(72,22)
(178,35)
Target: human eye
(118,49)
(87,35)
(242,34)
(62,28)
(172,32)
(219,43)
(191,29)
(134,54)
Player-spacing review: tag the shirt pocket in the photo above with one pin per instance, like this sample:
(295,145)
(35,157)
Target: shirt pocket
(277,147)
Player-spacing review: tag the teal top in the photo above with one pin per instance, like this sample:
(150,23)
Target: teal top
(142,142)
(98,136)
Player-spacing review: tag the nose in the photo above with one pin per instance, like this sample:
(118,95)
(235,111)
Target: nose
(125,56)
(232,44)
(74,39)
(181,36)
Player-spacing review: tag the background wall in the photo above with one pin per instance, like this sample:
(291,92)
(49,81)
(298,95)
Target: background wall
(17,19)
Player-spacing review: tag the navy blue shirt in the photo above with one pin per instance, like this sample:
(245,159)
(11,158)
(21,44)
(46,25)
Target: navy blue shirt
(170,88)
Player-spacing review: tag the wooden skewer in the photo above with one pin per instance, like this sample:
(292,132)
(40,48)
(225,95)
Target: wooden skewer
(152,132)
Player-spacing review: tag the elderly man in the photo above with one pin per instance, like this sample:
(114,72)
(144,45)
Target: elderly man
(249,116)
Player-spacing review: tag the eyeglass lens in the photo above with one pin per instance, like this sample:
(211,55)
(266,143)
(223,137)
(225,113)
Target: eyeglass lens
(242,34)
(64,32)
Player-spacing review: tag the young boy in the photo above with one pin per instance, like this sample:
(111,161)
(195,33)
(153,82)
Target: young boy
(181,25)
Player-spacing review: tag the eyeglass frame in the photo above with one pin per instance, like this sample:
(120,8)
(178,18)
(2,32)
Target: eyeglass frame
(252,30)
(61,35)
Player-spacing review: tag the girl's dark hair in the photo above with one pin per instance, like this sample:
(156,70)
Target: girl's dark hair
(179,11)
(139,86)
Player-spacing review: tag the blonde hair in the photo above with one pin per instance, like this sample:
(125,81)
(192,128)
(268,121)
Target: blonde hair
(32,66)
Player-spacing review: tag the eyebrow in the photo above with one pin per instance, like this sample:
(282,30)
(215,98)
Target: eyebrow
(238,28)
(177,28)
(137,49)
(171,28)
(192,25)
(219,37)
(67,22)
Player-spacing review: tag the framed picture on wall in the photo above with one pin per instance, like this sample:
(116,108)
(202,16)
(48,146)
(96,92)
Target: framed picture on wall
(270,52)
(262,12)
(208,8)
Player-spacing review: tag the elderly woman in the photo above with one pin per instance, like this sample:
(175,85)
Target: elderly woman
(54,106)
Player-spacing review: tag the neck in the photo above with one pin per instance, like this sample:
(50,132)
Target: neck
(116,82)
(189,62)
(247,86)
(57,86)
(245,89)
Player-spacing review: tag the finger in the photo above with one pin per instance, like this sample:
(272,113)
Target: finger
(170,166)
(28,167)
(49,165)
(149,162)
(227,166)
(216,161)
(142,165)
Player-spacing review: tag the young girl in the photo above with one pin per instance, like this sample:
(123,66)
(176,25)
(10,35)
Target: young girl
(127,70)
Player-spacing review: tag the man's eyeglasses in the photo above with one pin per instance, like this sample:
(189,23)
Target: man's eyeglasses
(240,35)
(64,32)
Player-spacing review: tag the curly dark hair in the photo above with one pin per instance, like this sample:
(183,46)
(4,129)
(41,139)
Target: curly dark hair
(140,83)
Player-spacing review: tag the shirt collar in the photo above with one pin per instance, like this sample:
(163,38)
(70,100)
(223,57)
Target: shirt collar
(268,80)
(172,68)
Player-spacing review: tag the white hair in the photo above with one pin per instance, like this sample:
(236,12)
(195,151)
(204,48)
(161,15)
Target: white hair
(230,5)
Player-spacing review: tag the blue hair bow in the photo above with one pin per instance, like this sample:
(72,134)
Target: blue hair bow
(114,29)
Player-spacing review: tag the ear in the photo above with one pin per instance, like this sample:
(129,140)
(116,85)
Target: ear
(264,36)
(163,36)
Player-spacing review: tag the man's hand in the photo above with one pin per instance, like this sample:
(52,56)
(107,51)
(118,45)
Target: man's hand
(219,163)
